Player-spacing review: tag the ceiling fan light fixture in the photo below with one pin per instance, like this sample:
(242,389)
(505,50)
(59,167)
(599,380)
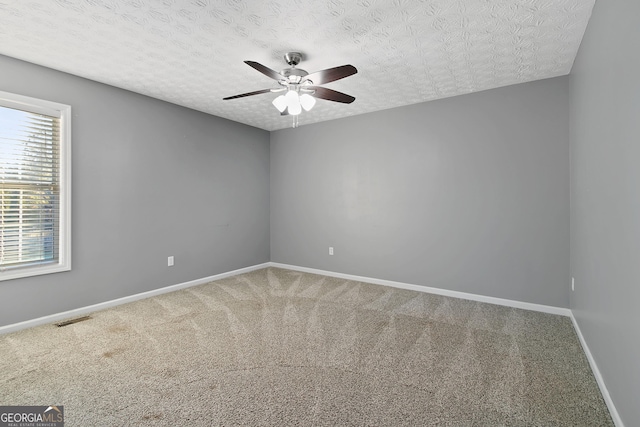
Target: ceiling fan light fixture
(307,101)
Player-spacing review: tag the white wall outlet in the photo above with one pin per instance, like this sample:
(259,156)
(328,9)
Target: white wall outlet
(330,250)
(170,261)
(573,284)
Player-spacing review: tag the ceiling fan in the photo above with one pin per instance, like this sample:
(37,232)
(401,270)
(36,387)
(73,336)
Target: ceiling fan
(301,87)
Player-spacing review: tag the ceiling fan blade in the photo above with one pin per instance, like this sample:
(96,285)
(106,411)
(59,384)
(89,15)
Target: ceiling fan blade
(330,94)
(265,70)
(331,74)
(242,95)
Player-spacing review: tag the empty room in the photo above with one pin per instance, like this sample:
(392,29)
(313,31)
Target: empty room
(341,212)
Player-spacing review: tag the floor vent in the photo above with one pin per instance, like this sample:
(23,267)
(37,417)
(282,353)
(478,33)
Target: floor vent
(72,321)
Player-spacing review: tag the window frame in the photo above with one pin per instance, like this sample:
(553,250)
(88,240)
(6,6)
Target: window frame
(63,111)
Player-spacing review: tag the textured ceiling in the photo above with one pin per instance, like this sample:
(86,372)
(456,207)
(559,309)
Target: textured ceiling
(191,52)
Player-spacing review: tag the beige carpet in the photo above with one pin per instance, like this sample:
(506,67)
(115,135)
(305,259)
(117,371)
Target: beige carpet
(277,347)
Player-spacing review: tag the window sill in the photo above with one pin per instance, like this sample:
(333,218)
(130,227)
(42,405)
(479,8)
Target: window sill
(36,269)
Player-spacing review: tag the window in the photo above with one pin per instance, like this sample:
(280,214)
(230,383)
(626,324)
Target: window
(35,187)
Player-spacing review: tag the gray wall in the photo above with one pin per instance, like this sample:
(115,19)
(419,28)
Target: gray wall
(605,198)
(150,179)
(468,194)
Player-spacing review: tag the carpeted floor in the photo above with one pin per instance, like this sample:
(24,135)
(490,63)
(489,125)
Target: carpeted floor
(279,348)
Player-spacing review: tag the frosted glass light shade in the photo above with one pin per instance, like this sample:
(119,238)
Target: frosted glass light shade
(293,103)
(307,101)
(280,103)
(295,109)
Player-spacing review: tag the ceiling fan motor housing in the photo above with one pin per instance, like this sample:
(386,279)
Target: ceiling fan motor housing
(294,75)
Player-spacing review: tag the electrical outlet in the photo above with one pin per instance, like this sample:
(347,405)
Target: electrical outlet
(573,284)
(170,261)
(330,250)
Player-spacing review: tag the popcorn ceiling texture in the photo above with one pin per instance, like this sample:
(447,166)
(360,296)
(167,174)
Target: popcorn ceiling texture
(191,52)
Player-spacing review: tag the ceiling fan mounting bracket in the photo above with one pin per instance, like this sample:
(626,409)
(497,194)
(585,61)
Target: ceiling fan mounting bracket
(293,58)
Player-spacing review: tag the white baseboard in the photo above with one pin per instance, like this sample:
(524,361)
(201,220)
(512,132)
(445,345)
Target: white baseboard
(103,305)
(596,373)
(481,298)
(455,294)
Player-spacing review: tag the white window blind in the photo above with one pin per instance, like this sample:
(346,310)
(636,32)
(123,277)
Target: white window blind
(33,208)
